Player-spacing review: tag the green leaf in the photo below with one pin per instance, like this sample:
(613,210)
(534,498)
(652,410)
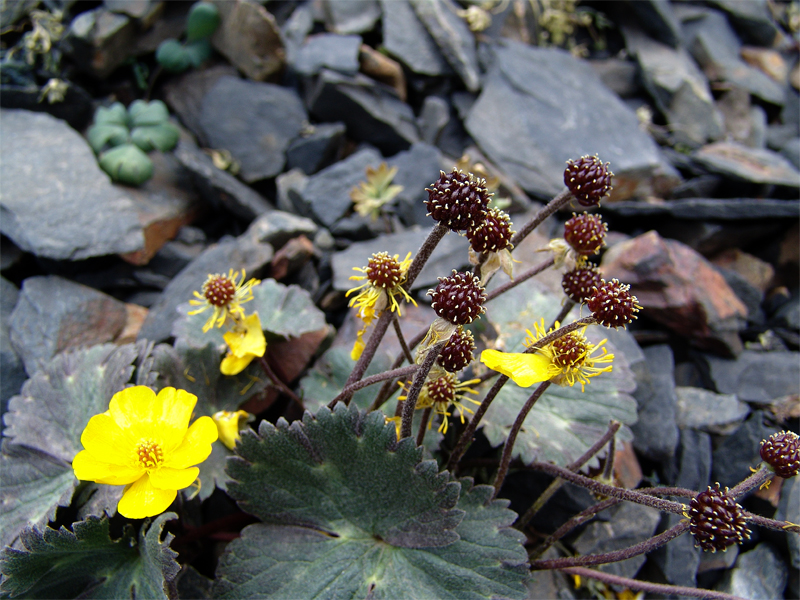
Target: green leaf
(353,513)
(173,56)
(101,134)
(565,422)
(161,137)
(112,115)
(86,563)
(198,52)
(34,484)
(202,21)
(147,114)
(127,164)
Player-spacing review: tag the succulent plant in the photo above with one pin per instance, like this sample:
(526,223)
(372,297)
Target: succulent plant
(201,23)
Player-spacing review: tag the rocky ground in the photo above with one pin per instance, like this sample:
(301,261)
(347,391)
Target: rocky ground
(695,105)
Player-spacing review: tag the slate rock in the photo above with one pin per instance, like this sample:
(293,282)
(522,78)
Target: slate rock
(630,524)
(54,314)
(325,198)
(380,67)
(691,468)
(371,111)
(750,296)
(328,50)
(541,106)
(316,148)
(99,41)
(716,48)
(789,510)
(219,188)
(752,20)
(12,371)
(277,227)
(679,559)
(417,168)
(759,573)
(657,19)
(407,40)
(619,75)
(433,116)
(236,254)
(249,37)
(788,315)
(450,253)
(679,288)
(351,16)
(722,209)
(757,165)
(757,377)
(357,228)
(56,202)
(678,87)
(453,36)
(655,433)
(791,152)
(76,107)
(758,273)
(295,29)
(254,121)
(732,459)
(290,186)
(709,411)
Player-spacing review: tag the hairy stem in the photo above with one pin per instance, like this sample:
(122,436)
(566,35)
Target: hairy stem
(547,210)
(755,480)
(388,388)
(572,523)
(519,279)
(278,383)
(401,338)
(372,379)
(410,403)
(505,460)
(772,524)
(423,426)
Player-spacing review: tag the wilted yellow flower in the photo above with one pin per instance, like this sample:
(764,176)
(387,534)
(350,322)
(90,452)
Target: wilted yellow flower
(370,196)
(565,361)
(144,442)
(245,342)
(224,295)
(228,424)
(443,391)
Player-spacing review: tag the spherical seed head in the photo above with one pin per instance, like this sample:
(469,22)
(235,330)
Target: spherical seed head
(384,271)
(585,233)
(458,200)
(458,298)
(716,521)
(219,290)
(493,234)
(443,389)
(457,353)
(570,350)
(588,179)
(612,304)
(579,284)
(781,451)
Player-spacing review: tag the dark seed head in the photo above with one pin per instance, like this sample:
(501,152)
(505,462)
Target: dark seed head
(585,233)
(579,284)
(457,353)
(716,521)
(458,200)
(570,350)
(219,290)
(493,234)
(588,179)
(781,451)
(384,271)
(458,298)
(612,304)
(443,389)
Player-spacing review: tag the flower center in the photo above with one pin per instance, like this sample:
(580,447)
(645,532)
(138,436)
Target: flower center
(219,290)
(149,454)
(570,350)
(384,271)
(442,390)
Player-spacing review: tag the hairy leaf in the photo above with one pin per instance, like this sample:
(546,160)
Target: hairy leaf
(87,563)
(126,164)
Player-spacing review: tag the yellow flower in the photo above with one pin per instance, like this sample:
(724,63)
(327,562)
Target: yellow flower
(245,342)
(224,295)
(144,442)
(441,392)
(385,276)
(565,361)
(228,424)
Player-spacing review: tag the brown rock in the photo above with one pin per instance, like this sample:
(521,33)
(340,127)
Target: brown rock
(249,38)
(676,286)
(383,69)
(133,323)
(291,257)
(627,472)
(769,61)
(756,271)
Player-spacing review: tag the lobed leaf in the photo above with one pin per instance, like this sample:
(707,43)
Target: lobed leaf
(197,52)
(111,115)
(147,114)
(173,56)
(202,21)
(161,137)
(127,164)
(102,134)
(87,563)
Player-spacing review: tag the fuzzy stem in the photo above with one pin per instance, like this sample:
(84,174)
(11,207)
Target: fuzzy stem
(519,279)
(771,523)
(423,426)
(278,383)
(551,207)
(617,555)
(390,386)
(410,403)
(554,486)
(755,480)
(372,379)
(401,338)
(660,589)
(512,435)
(423,254)
(572,523)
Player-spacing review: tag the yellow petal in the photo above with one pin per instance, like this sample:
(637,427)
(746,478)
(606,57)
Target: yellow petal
(196,445)
(523,369)
(233,365)
(249,341)
(140,499)
(89,468)
(107,441)
(173,479)
(138,407)
(228,426)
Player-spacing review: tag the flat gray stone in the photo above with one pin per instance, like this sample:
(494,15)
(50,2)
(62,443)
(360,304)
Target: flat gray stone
(540,107)
(789,510)
(757,165)
(752,20)
(678,559)
(758,377)
(317,148)
(406,40)
(656,431)
(759,573)
(12,372)
(701,209)
(277,227)
(55,201)
(255,122)
(732,459)
(417,168)
(328,50)
(451,33)
(657,19)
(709,411)
(351,16)
(54,314)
